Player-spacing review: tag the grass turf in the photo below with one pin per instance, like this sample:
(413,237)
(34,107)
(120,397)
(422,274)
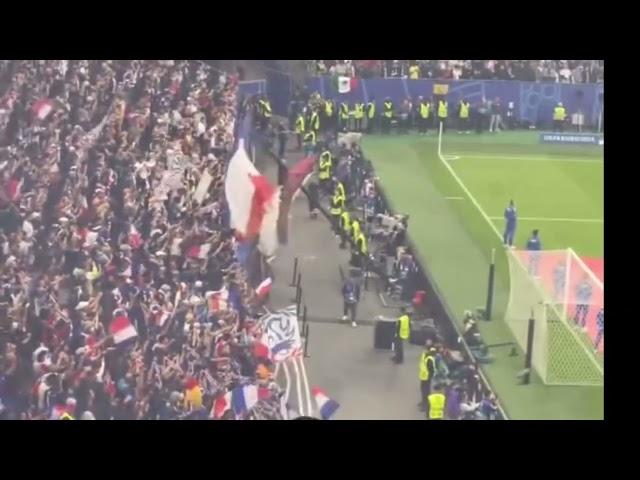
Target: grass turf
(455,241)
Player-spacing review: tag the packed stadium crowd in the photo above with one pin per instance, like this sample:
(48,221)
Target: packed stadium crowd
(563,71)
(122,296)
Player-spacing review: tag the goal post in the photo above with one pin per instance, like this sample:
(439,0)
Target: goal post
(563,296)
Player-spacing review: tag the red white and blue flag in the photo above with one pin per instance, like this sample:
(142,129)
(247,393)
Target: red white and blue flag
(240,400)
(326,406)
(122,330)
(253,202)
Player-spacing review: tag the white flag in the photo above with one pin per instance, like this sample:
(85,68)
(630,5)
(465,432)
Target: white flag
(344,84)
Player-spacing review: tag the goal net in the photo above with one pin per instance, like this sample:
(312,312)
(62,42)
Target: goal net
(564,297)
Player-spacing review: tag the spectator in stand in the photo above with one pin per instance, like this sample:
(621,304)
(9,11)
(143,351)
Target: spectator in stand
(568,71)
(414,71)
(321,68)
(395,69)
(565,74)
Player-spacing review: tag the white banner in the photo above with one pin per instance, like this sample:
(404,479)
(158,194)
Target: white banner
(282,334)
(203,186)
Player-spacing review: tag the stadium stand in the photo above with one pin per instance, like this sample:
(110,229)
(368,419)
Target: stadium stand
(564,71)
(121,295)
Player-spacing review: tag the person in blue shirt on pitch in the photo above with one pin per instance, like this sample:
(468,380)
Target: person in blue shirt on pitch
(584,291)
(559,280)
(510,218)
(600,325)
(534,245)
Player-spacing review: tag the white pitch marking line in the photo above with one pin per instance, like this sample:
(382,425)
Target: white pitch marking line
(531,158)
(464,187)
(548,219)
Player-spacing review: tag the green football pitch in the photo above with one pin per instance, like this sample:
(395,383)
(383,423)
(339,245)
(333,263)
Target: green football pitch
(456,205)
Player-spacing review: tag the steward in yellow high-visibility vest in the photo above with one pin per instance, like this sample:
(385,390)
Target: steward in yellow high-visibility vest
(341,192)
(325,165)
(358,115)
(388,108)
(66,416)
(335,210)
(426,371)
(324,170)
(328,114)
(443,109)
(387,115)
(559,116)
(344,115)
(371,114)
(300,129)
(436,402)
(355,229)
(345,228)
(414,72)
(423,120)
(314,124)
(264,110)
(402,334)
(359,251)
(443,113)
(464,117)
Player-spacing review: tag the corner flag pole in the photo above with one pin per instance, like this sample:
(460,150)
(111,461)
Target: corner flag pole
(492,274)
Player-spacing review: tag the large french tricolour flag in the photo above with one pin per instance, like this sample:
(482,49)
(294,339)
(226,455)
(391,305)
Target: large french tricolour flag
(122,330)
(253,202)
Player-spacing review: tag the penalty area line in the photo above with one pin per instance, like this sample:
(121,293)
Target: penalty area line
(549,219)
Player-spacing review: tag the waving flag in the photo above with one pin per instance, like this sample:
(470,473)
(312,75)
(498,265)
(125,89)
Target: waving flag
(264,288)
(297,175)
(245,398)
(122,330)
(326,406)
(42,108)
(268,241)
(135,239)
(199,251)
(344,84)
(221,405)
(218,300)
(250,195)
